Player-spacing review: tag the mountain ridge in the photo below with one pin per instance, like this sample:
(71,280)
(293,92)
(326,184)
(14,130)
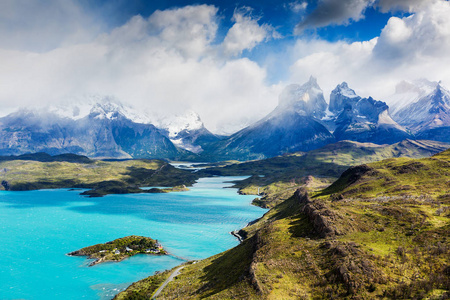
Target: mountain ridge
(102,127)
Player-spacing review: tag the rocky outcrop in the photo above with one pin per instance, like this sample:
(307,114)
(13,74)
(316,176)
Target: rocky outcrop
(323,219)
(352,267)
(6,185)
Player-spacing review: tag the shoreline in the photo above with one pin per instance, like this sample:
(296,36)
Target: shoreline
(236,234)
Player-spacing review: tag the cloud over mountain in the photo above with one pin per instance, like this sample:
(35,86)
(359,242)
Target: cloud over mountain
(409,47)
(169,62)
(227,64)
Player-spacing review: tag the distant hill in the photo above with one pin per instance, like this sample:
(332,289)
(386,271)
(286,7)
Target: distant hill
(44,157)
(287,172)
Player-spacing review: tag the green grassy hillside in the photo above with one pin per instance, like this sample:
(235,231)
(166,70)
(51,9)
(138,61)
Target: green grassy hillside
(282,175)
(361,238)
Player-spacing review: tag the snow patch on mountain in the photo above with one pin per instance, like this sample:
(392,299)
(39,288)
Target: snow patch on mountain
(187,131)
(188,121)
(409,92)
(422,105)
(98,107)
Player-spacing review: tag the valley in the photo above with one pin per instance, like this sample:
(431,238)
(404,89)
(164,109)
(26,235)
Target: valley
(380,231)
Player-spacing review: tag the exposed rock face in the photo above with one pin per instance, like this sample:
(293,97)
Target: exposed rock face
(342,96)
(363,119)
(321,217)
(351,266)
(104,132)
(423,107)
(5,185)
(428,112)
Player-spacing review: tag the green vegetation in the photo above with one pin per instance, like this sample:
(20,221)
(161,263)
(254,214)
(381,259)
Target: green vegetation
(362,238)
(44,157)
(426,177)
(277,178)
(101,177)
(144,289)
(120,249)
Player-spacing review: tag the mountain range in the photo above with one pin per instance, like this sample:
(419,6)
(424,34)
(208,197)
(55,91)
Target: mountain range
(100,127)
(423,107)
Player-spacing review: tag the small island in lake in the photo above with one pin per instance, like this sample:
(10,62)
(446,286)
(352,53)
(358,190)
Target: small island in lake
(120,249)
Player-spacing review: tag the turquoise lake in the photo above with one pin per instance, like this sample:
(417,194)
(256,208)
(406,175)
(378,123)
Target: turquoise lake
(38,229)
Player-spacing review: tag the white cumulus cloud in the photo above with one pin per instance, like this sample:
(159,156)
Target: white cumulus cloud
(246,33)
(411,47)
(165,63)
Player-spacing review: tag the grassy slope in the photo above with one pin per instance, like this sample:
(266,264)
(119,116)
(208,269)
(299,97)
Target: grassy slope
(103,176)
(426,177)
(284,174)
(359,239)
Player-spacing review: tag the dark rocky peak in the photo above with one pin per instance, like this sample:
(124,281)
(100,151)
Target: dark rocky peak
(313,82)
(342,97)
(370,108)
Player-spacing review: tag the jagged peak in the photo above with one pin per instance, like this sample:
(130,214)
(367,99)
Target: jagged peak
(344,90)
(440,88)
(312,81)
(343,85)
(296,92)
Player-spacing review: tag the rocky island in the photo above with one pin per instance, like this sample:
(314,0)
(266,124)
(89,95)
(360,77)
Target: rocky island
(120,249)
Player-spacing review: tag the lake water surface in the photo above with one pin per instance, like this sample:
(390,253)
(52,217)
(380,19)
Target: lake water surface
(38,229)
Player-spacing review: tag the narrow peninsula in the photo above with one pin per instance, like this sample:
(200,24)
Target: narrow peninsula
(120,249)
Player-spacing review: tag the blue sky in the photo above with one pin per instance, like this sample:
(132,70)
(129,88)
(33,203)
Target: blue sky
(227,60)
(280,14)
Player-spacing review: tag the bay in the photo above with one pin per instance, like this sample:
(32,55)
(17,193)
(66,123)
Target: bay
(38,229)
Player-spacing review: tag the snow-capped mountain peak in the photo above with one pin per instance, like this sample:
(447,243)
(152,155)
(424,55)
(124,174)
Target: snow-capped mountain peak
(188,121)
(342,95)
(344,90)
(187,131)
(421,105)
(100,108)
(409,92)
